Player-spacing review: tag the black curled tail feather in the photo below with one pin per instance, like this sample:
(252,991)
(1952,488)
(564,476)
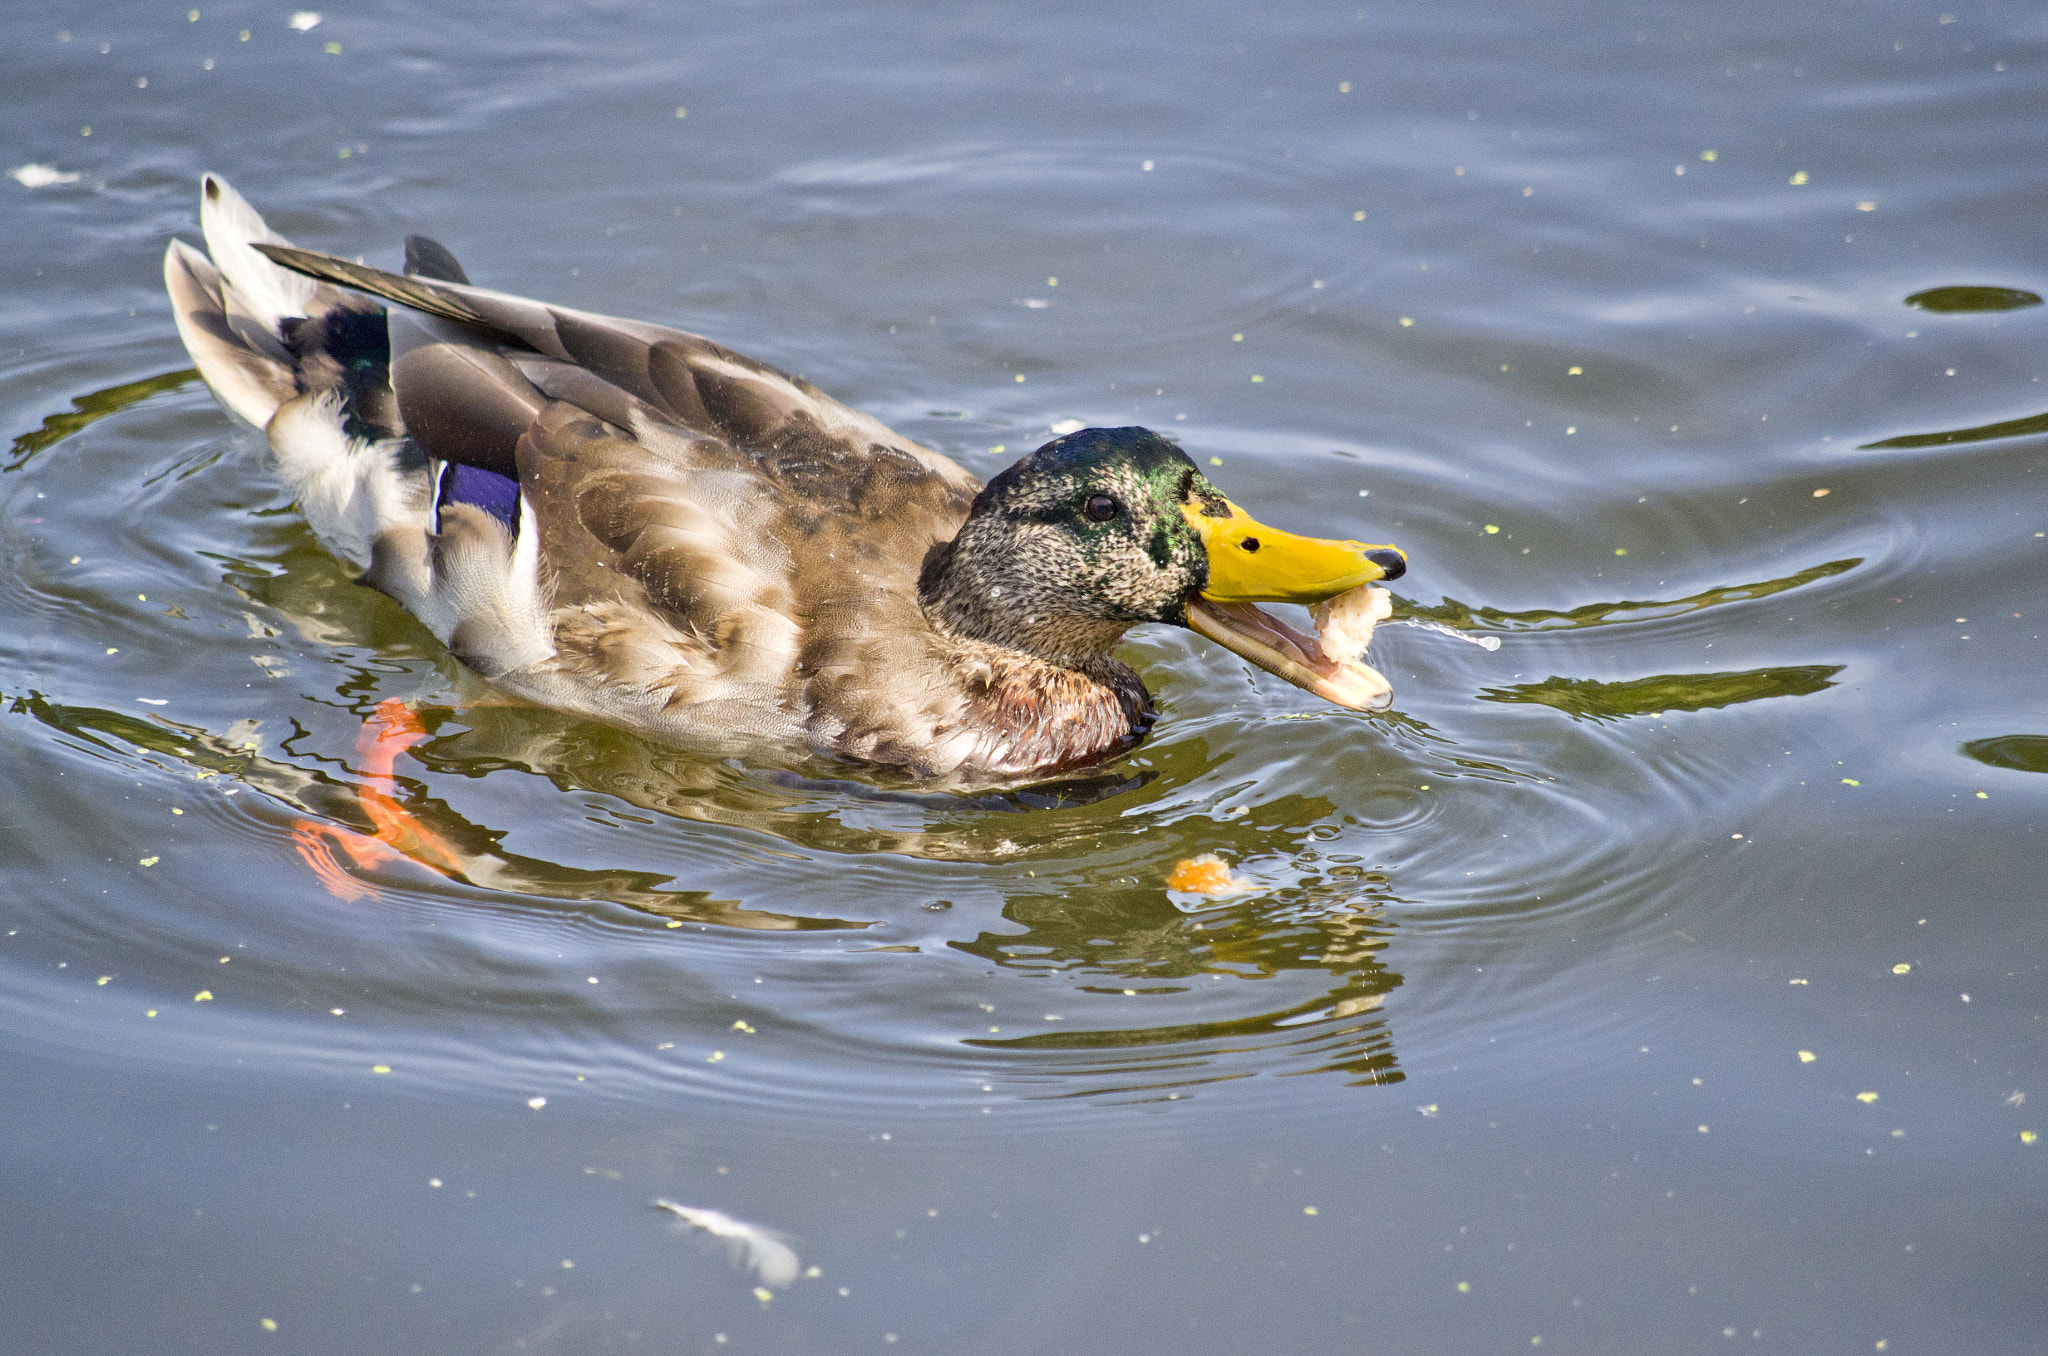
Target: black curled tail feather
(426,257)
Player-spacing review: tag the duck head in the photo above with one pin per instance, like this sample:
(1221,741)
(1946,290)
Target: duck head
(1106,528)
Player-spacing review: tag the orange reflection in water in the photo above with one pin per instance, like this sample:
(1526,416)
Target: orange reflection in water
(391,729)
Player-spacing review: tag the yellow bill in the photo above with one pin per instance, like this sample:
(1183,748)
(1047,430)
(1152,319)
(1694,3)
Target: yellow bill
(1250,562)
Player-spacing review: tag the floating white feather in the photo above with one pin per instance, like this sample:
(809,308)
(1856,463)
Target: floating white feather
(41,176)
(753,1248)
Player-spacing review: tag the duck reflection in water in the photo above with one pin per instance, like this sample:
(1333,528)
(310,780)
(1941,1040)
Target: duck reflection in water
(1317,928)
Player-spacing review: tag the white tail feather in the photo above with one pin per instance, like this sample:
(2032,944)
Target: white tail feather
(263,291)
(247,382)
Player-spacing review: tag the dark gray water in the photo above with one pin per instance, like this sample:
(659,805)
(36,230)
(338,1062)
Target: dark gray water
(1668,979)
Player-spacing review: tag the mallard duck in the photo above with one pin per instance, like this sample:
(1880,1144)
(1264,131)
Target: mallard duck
(634,524)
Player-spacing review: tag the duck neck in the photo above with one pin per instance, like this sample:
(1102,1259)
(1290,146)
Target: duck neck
(1033,717)
(1042,687)
(982,596)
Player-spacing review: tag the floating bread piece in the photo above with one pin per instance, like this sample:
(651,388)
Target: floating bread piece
(1207,874)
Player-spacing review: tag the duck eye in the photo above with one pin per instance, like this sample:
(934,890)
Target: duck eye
(1101,507)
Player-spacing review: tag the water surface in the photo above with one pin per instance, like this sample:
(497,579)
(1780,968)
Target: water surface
(1666,979)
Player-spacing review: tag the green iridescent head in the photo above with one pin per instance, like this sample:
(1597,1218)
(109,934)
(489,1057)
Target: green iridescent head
(1103,529)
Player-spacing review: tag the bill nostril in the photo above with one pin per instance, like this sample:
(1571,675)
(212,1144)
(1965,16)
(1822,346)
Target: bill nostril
(1393,562)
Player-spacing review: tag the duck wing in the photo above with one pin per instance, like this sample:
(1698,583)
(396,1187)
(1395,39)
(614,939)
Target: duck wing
(683,378)
(714,545)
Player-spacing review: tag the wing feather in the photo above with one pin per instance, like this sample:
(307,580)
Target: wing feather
(698,384)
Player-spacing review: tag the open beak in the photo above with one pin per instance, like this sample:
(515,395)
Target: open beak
(1251,563)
